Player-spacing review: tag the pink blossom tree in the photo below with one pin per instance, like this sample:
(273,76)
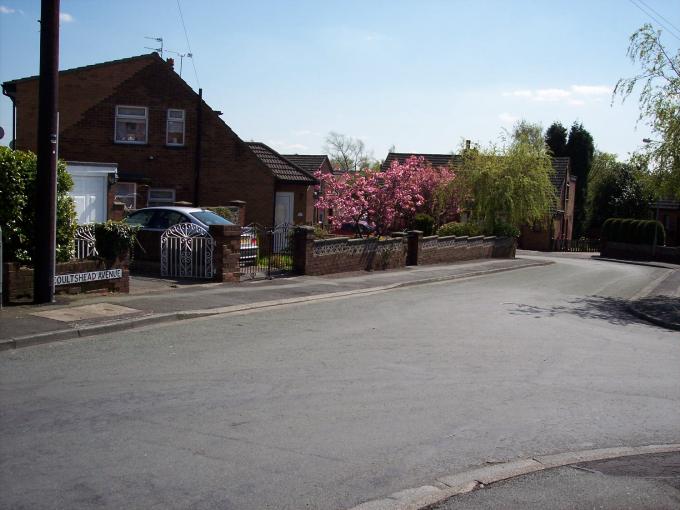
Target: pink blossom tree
(386,199)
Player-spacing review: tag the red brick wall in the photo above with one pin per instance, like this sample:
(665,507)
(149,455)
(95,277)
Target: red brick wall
(18,281)
(229,170)
(437,250)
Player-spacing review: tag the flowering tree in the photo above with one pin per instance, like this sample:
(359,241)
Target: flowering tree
(385,198)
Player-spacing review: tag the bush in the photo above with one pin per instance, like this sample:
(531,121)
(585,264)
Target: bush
(228,213)
(113,238)
(18,171)
(626,230)
(424,223)
(503,229)
(459,229)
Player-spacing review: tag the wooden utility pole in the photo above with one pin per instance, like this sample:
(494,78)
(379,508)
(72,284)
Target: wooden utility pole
(46,179)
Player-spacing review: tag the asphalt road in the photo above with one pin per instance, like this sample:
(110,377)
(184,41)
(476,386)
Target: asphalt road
(330,404)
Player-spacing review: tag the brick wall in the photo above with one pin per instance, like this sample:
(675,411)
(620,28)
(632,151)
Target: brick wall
(341,254)
(18,281)
(640,252)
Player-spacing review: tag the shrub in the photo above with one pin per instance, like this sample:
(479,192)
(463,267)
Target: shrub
(626,230)
(18,171)
(503,229)
(459,229)
(113,238)
(424,223)
(228,213)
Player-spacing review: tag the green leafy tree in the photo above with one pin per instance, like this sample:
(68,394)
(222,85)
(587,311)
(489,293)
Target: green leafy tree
(615,190)
(556,139)
(17,207)
(508,184)
(659,106)
(580,149)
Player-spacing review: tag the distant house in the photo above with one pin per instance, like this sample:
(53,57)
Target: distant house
(313,163)
(560,223)
(136,133)
(432,159)
(668,213)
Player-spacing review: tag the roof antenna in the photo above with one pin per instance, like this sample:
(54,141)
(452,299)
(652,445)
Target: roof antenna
(181,58)
(157,39)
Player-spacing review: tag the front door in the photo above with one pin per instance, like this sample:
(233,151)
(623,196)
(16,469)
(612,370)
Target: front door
(283,219)
(283,213)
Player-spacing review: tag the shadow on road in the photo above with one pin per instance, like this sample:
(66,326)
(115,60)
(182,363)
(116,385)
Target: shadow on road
(610,309)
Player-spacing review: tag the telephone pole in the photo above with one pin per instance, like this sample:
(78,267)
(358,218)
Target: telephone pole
(46,178)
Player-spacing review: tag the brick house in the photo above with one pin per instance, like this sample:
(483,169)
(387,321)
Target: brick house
(161,140)
(668,213)
(312,163)
(560,224)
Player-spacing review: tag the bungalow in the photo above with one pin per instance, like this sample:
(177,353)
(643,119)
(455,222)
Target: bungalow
(313,163)
(144,137)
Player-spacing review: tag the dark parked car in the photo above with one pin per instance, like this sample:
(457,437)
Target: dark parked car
(351,229)
(156,220)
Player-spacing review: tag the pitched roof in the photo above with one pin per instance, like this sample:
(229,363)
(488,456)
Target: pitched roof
(560,166)
(144,56)
(282,169)
(308,162)
(433,159)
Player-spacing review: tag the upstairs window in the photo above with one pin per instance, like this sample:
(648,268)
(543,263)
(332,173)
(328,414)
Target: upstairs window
(131,124)
(175,128)
(160,197)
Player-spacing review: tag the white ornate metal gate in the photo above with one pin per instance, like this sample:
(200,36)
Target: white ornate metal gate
(187,252)
(85,242)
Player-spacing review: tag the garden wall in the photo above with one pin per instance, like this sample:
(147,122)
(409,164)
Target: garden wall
(327,256)
(640,252)
(18,281)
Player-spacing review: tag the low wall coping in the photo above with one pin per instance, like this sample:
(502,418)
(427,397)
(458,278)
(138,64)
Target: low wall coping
(429,238)
(332,240)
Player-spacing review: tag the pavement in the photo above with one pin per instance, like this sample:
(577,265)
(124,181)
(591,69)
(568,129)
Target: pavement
(155,300)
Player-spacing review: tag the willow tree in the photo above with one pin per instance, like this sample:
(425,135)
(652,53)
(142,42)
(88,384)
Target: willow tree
(659,103)
(509,183)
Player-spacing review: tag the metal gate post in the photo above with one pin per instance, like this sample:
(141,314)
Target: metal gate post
(270,252)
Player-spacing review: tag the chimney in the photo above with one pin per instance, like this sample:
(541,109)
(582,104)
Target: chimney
(171,62)
(467,144)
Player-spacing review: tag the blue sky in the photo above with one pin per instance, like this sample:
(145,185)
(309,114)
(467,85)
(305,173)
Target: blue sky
(421,75)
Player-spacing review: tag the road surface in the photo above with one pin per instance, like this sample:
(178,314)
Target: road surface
(329,404)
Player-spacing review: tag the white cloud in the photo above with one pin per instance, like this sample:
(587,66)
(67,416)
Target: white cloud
(282,146)
(592,90)
(65,17)
(6,10)
(507,118)
(550,94)
(575,95)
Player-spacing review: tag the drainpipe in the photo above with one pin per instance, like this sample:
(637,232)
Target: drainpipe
(197,163)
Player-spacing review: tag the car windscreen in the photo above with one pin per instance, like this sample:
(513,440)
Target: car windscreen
(210,218)
(141,218)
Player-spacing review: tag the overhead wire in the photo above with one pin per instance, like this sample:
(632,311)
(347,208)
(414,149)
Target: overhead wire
(186,35)
(671,31)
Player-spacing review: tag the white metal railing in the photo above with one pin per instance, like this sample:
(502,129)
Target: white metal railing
(187,252)
(85,242)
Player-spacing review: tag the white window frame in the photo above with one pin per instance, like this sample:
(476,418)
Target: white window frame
(123,117)
(132,195)
(160,202)
(168,120)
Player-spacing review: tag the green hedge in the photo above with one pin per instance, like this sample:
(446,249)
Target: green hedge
(627,230)
(459,229)
(424,223)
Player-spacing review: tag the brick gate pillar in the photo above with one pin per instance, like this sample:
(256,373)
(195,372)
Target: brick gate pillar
(227,250)
(413,239)
(303,247)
